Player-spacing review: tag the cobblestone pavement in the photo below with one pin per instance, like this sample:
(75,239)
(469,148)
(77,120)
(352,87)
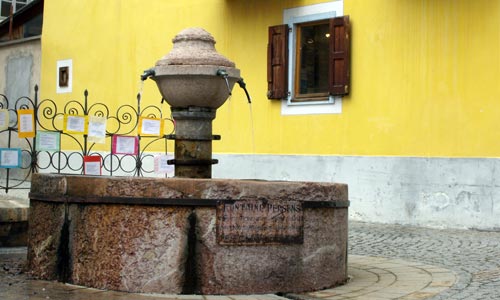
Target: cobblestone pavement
(378,278)
(385,262)
(474,256)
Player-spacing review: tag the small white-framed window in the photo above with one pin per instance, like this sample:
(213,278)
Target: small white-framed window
(64,76)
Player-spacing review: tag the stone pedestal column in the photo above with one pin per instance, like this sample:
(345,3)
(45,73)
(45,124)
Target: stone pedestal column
(193,142)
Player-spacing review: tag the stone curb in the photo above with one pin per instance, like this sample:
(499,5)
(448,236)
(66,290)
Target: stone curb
(13,214)
(13,222)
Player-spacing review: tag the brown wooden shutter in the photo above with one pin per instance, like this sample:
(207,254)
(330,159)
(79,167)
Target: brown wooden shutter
(340,56)
(277,62)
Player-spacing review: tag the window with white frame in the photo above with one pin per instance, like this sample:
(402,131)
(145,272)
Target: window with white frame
(5,7)
(310,75)
(309,59)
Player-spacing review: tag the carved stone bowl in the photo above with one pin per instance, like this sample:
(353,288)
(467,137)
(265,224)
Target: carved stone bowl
(188,74)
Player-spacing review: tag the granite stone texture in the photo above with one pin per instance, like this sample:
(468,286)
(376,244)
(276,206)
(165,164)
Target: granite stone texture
(44,235)
(90,188)
(194,46)
(136,235)
(318,263)
(129,248)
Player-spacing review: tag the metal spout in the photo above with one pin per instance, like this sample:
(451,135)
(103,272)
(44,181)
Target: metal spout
(224,75)
(243,85)
(148,73)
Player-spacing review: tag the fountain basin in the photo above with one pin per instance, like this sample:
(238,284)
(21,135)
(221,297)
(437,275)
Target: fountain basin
(194,85)
(153,235)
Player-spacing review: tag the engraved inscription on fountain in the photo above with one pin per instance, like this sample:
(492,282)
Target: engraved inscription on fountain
(260,222)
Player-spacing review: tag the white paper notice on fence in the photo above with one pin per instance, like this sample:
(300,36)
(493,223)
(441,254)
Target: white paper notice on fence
(92,165)
(97,130)
(4,119)
(122,144)
(26,124)
(161,165)
(48,141)
(75,124)
(151,127)
(10,158)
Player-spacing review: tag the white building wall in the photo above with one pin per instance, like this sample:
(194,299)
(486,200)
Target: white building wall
(431,192)
(20,71)
(20,62)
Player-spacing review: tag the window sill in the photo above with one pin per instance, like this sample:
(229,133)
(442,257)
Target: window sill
(324,99)
(332,105)
(19,41)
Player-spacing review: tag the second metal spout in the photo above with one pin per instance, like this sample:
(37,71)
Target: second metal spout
(243,85)
(148,73)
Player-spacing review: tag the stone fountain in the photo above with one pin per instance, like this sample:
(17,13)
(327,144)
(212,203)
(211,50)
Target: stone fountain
(189,234)
(195,80)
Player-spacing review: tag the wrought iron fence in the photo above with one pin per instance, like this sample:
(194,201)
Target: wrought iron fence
(48,118)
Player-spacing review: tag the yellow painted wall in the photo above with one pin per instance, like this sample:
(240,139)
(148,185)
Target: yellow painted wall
(425,74)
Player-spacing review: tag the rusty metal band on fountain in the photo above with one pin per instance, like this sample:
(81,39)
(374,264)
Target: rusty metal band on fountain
(193,141)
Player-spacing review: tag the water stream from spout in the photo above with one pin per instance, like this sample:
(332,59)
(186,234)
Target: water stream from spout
(140,88)
(254,173)
(228,110)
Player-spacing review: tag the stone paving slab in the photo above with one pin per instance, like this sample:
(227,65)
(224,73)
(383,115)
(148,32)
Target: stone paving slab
(385,278)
